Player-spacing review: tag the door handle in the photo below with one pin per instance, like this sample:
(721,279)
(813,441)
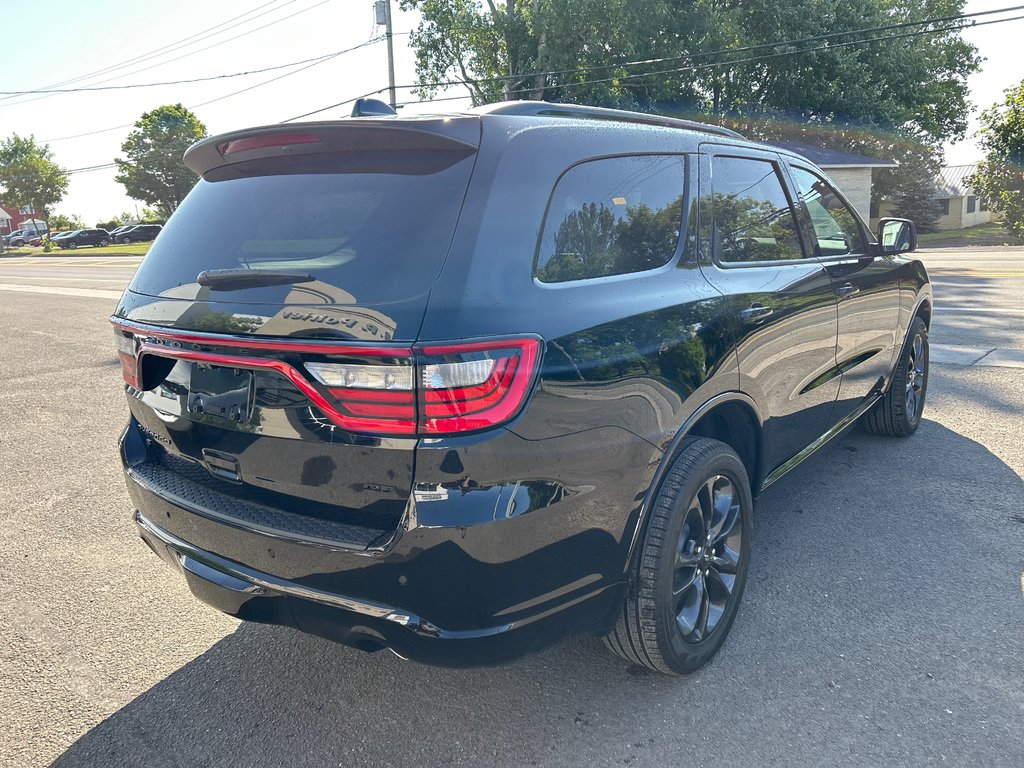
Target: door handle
(756,313)
(847,290)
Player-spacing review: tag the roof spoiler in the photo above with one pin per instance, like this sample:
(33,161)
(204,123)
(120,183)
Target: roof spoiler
(360,135)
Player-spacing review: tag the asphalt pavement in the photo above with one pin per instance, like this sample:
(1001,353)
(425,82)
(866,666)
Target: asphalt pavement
(883,622)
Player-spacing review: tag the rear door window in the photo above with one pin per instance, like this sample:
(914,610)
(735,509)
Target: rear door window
(751,213)
(374,225)
(612,216)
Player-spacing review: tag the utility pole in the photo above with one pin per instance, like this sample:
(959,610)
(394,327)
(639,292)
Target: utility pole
(382,12)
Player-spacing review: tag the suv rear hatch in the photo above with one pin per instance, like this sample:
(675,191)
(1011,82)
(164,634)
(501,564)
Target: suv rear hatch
(267,338)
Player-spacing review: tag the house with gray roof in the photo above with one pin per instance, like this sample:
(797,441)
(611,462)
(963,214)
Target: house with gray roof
(850,172)
(961,205)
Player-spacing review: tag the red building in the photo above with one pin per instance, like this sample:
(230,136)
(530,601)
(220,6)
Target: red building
(11,218)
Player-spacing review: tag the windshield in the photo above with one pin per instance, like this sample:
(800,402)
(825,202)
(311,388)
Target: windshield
(368,227)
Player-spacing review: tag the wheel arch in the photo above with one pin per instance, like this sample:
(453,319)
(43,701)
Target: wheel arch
(730,417)
(924,311)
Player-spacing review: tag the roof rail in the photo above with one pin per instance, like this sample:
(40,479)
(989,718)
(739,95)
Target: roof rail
(550,109)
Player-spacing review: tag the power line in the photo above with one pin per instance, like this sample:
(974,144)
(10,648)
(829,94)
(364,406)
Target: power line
(197,79)
(315,61)
(149,54)
(228,40)
(742,49)
(91,168)
(192,53)
(696,67)
(289,74)
(768,57)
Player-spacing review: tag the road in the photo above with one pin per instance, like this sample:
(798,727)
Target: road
(883,622)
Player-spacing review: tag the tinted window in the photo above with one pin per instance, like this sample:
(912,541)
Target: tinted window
(751,214)
(835,225)
(367,226)
(611,217)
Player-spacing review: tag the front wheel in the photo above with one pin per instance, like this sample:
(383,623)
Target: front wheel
(72,245)
(102,243)
(898,412)
(125,240)
(692,566)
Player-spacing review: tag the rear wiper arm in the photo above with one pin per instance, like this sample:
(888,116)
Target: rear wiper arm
(237,279)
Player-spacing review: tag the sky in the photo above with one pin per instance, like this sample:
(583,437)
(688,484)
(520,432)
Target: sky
(126,43)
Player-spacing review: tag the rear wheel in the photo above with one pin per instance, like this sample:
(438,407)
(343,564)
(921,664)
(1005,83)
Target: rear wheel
(899,411)
(692,566)
(103,242)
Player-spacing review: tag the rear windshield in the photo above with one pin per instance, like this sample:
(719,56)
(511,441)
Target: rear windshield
(367,227)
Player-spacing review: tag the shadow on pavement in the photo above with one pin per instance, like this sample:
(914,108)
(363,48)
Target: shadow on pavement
(882,623)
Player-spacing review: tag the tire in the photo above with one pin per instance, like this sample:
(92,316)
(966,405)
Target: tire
(898,413)
(103,243)
(674,618)
(125,240)
(72,244)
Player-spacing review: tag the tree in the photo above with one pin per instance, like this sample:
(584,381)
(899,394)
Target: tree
(116,221)
(28,175)
(578,50)
(154,171)
(724,60)
(59,221)
(1000,177)
(911,185)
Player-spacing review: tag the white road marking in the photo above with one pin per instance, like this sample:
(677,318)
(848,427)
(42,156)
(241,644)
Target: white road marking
(982,310)
(56,290)
(65,279)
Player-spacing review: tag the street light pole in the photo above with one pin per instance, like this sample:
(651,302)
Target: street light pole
(382,10)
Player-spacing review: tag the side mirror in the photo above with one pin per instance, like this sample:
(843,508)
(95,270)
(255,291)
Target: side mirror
(897,236)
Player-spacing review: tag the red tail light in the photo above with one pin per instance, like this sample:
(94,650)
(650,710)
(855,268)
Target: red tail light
(265,141)
(126,352)
(466,387)
(431,389)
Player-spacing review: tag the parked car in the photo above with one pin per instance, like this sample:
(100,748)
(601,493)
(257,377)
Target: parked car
(140,233)
(380,408)
(9,239)
(95,237)
(123,228)
(54,237)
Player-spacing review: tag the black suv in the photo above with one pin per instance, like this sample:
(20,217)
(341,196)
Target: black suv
(140,233)
(96,237)
(456,386)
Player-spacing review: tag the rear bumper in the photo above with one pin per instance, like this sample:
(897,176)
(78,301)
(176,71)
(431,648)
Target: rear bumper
(252,595)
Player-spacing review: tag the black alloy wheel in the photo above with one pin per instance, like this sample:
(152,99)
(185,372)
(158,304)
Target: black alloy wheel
(72,244)
(707,558)
(898,412)
(916,367)
(102,243)
(692,565)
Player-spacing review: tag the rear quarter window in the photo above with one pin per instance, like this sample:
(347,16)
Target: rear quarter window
(612,216)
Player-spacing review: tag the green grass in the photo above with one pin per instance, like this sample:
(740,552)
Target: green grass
(991,233)
(131,249)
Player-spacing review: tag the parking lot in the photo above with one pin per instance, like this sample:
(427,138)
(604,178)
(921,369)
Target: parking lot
(883,621)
